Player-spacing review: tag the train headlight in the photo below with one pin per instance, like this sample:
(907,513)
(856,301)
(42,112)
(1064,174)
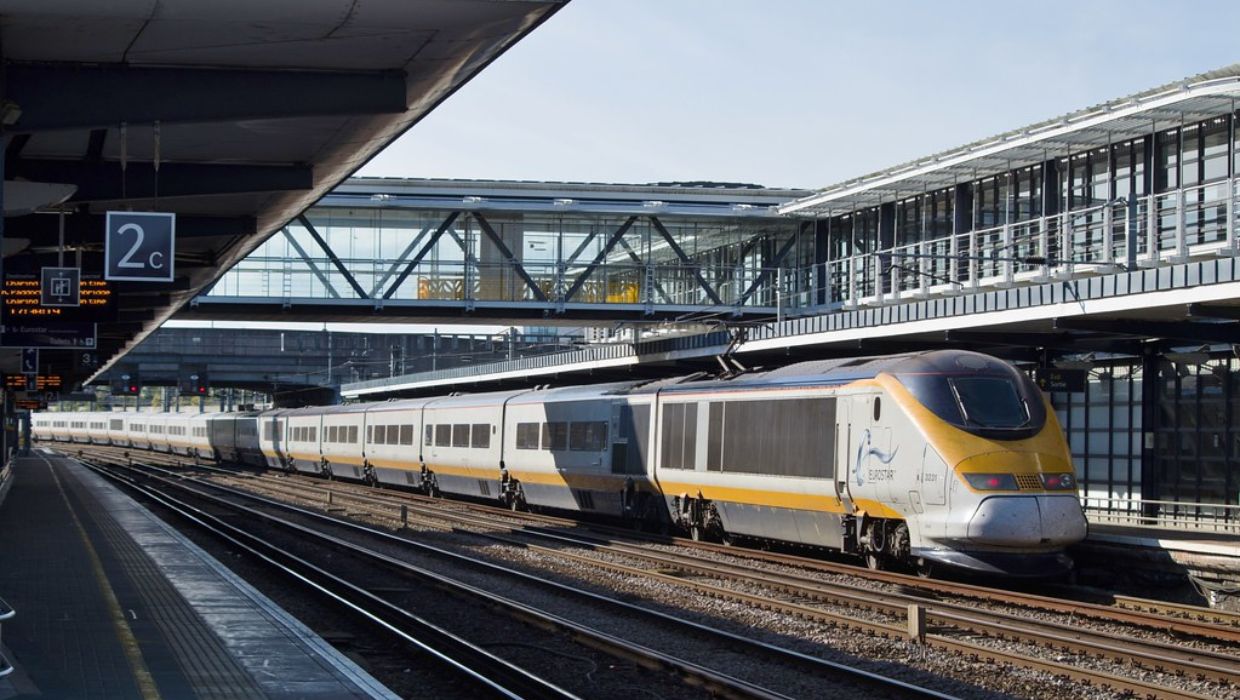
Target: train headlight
(992,482)
(1059,482)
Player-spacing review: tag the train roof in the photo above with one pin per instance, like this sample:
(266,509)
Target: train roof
(851,369)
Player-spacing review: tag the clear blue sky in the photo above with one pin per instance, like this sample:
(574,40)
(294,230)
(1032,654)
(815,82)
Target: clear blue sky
(795,93)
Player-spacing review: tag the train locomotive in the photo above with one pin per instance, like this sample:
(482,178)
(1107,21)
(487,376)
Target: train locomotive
(941,459)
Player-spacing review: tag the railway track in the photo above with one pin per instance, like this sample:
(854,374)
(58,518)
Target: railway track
(801,596)
(1221,668)
(714,682)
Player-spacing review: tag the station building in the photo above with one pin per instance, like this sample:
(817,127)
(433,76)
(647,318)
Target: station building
(1099,248)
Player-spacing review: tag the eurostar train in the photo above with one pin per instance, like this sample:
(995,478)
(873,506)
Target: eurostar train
(936,459)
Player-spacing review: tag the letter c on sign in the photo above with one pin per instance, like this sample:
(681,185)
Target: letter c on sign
(154,265)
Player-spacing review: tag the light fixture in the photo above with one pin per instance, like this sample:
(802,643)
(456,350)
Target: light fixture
(562,202)
(472,199)
(10,112)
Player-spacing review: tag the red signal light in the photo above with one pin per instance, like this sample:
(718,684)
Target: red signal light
(133,389)
(202,390)
(993,482)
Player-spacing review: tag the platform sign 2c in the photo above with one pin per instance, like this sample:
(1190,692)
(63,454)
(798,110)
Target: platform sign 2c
(139,246)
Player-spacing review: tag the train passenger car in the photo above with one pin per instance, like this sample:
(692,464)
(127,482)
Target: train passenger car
(176,432)
(569,448)
(393,445)
(198,442)
(97,428)
(136,428)
(234,438)
(41,427)
(273,437)
(941,458)
(341,441)
(301,449)
(77,431)
(115,427)
(462,441)
(156,430)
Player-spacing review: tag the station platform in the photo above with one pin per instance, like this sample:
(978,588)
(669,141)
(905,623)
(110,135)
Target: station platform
(113,603)
(1207,560)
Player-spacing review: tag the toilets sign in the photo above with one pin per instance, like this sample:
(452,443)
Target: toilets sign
(139,246)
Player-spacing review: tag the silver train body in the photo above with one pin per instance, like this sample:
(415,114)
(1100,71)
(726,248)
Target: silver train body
(939,459)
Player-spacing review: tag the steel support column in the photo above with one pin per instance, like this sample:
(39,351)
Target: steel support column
(598,259)
(680,253)
(507,253)
(313,268)
(767,269)
(331,254)
(404,274)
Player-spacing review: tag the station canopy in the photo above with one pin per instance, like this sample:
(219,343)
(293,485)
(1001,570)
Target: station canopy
(235,115)
(1197,98)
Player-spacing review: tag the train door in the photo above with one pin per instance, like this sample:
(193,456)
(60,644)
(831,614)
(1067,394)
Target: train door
(843,449)
(933,477)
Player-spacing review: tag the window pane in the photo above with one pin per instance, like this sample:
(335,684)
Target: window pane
(460,435)
(443,435)
(353,434)
(406,434)
(429,432)
(480,436)
(380,434)
(555,436)
(990,401)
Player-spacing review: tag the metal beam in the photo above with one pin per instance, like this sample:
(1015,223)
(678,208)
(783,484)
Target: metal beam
(512,259)
(88,228)
(1214,311)
(404,255)
(404,274)
(313,268)
(667,299)
(106,181)
(331,254)
(1056,341)
(600,257)
(766,270)
(680,253)
(94,149)
(1181,330)
(74,95)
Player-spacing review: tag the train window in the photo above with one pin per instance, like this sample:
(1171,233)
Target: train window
(480,436)
(527,436)
(426,439)
(406,434)
(588,437)
(381,435)
(990,402)
(331,433)
(878,408)
(353,434)
(555,436)
(679,436)
(443,435)
(460,435)
(314,434)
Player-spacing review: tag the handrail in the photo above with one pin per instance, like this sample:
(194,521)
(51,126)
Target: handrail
(1179,515)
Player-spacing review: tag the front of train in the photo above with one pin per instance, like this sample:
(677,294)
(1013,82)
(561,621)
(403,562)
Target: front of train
(1009,502)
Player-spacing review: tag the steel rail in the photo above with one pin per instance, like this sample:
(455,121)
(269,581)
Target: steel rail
(716,682)
(491,674)
(1149,655)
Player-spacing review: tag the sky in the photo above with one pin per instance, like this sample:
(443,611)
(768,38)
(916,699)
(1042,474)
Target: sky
(794,93)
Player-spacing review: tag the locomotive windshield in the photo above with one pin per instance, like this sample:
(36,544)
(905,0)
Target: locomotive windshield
(974,392)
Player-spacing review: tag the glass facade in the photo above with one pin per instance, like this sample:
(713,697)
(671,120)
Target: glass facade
(605,259)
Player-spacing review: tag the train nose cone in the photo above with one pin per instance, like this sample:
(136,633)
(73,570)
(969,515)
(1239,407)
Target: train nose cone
(1023,521)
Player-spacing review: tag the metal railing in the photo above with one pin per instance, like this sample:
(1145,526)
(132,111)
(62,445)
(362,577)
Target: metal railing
(1135,512)
(6,613)
(1147,231)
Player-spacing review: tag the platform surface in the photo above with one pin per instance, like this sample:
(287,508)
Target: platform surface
(1207,542)
(113,603)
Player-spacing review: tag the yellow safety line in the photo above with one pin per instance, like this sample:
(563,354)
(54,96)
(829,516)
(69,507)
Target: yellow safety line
(129,643)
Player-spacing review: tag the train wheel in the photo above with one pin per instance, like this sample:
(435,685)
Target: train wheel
(696,533)
(874,561)
(924,568)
